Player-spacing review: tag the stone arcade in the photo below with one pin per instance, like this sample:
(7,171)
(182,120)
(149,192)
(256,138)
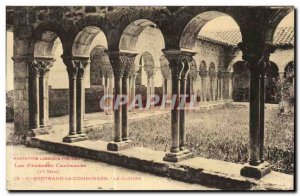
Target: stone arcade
(180,26)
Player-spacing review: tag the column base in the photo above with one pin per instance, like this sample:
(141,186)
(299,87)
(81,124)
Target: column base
(40,131)
(258,171)
(117,146)
(75,138)
(177,156)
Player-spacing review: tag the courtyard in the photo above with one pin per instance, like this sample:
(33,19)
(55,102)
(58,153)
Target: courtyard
(218,132)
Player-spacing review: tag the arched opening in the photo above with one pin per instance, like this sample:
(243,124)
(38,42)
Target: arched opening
(90,43)
(147,65)
(272,79)
(144,38)
(53,101)
(102,77)
(241,81)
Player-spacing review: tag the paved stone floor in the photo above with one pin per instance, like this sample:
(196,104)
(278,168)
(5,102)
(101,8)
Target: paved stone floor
(128,179)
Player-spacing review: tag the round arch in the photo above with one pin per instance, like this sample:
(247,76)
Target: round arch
(86,39)
(273,22)
(194,26)
(129,37)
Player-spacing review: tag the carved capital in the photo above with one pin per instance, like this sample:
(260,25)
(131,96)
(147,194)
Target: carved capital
(255,54)
(75,66)
(122,63)
(45,63)
(179,62)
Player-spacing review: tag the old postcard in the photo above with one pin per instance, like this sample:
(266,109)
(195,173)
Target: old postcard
(193,98)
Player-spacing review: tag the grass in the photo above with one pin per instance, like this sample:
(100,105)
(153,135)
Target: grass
(217,133)
(220,133)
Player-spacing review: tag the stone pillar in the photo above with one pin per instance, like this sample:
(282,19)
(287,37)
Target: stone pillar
(75,68)
(257,55)
(203,74)
(178,63)
(133,90)
(193,77)
(110,93)
(148,104)
(122,64)
(45,64)
(230,83)
(34,97)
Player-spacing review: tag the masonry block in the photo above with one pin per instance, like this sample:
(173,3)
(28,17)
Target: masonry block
(256,171)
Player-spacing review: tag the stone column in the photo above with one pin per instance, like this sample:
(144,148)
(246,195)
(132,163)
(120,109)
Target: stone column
(257,55)
(203,75)
(177,63)
(110,93)
(230,83)
(45,64)
(221,85)
(107,73)
(133,90)
(122,64)
(34,97)
(75,68)
(193,77)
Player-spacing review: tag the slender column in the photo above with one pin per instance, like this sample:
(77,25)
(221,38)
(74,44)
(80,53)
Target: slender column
(148,104)
(169,88)
(221,87)
(178,62)
(186,63)
(230,81)
(117,108)
(110,92)
(201,89)
(257,55)
(125,93)
(122,65)
(72,72)
(34,112)
(106,94)
(75,68)
(133,89)
(45,65)
(152,92)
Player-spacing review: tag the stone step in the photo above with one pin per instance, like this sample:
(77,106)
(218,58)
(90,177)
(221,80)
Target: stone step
(207,172)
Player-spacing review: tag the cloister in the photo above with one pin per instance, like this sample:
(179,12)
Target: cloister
(36,29)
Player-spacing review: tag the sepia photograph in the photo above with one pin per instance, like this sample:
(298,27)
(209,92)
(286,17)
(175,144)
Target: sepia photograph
(150,98)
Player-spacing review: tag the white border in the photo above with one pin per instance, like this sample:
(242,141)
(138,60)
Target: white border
(102,2)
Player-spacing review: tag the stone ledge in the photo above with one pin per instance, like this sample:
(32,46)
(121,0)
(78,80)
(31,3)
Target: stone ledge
(207,172)
(117,146)
(256,171)
(75,138)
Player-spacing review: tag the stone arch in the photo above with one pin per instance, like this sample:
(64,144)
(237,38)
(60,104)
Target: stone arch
(241,81)
(100,65)
(48,35)
(195,24)
(273,21)
(85,40)
(129,37)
